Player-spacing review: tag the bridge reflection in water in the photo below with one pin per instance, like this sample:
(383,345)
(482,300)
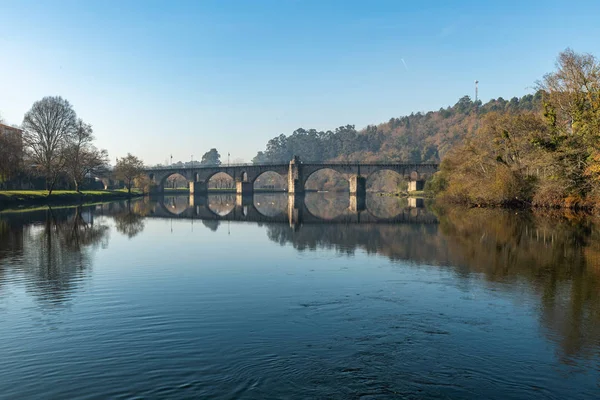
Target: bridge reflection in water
(295,210)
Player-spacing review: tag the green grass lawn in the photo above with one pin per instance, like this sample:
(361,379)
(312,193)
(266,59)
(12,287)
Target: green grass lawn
(41,196)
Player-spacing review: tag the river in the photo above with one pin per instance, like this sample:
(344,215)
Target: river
(320,298)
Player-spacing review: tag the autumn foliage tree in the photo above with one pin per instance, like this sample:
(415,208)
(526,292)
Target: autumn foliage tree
(128,169)
(547,157)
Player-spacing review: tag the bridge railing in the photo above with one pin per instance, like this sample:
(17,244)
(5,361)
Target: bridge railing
(205,166)
(279,164)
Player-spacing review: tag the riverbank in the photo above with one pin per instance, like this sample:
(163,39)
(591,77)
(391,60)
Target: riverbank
(25,198)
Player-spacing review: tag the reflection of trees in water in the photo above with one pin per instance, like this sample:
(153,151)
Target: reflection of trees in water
(555,253)
(397,241)
(213,225)
(53,255)
(130,222)
(557,256)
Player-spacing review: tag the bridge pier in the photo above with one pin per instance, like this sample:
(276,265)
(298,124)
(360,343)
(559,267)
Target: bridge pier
(358,186)
(108,183)
(358,203)
(244,188)
(416,202)
(295,181)
(244,200)
(196,201)
(416,186)
(243,203)
(295,207)
(157,190)
(198,188)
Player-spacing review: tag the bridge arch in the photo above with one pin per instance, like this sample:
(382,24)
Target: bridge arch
(173,180)
(220,180)
(270,180)
(326,179)
(386,180)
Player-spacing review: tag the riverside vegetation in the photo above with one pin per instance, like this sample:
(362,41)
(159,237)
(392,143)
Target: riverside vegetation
(540,150)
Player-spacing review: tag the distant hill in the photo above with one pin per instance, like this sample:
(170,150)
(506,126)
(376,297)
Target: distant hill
(418,137)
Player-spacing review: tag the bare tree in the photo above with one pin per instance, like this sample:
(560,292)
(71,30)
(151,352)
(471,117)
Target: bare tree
(48,126)
(82,158)
(573,92)
(128,169)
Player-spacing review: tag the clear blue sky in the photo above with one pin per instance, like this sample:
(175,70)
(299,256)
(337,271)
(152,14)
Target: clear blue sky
(178,77)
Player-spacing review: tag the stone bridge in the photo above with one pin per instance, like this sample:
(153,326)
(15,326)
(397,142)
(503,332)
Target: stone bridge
(295,172)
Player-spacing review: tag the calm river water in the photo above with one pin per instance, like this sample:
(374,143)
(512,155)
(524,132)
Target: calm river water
(230,298)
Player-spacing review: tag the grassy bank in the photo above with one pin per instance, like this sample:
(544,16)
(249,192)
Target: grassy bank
(20,198)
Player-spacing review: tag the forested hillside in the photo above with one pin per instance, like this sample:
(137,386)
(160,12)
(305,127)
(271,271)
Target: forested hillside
(549,157)
(419,137)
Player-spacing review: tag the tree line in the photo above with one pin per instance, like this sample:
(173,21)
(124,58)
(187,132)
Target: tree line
(55,145)
(418,137)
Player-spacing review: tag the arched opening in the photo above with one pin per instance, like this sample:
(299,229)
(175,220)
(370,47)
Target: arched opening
(244,176)
(175,182)
(326,180)
(386,181)
(221,181)
(270,182)
(327,194)
(221,204)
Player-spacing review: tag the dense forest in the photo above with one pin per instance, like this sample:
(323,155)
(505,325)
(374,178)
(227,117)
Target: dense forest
(542,149)
(419,137)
